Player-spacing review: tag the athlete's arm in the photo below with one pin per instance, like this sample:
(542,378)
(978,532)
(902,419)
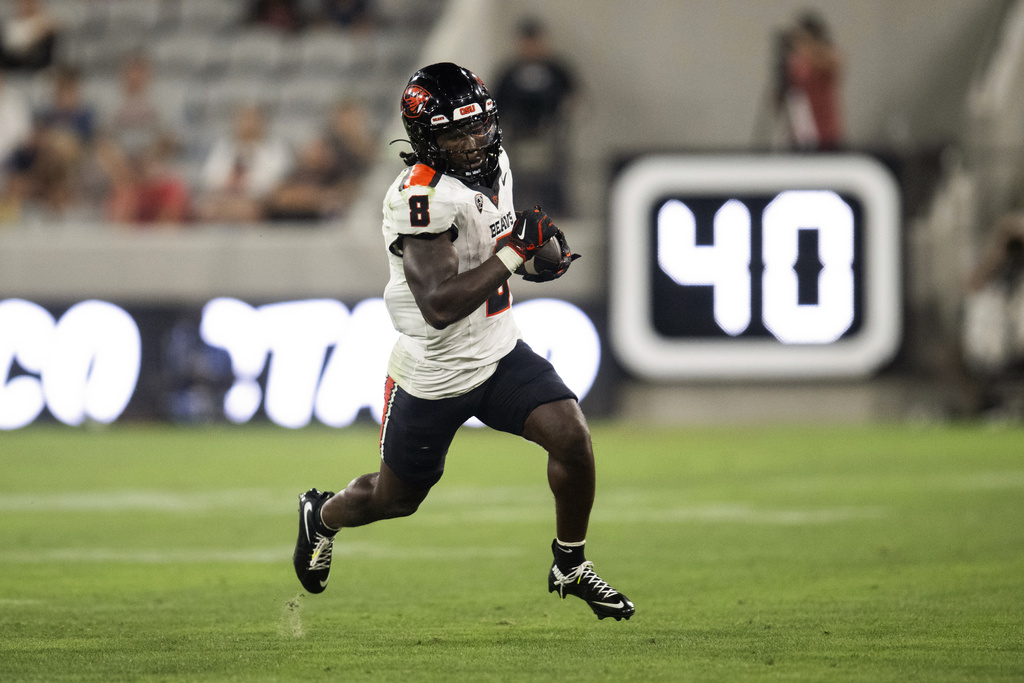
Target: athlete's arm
(443,294)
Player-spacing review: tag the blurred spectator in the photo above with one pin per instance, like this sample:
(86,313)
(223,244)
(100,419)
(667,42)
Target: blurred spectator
(242,169)
(348,131)
(15,188)
(993,335)
(145,189)
(67,110)
(811,91)
(534,95)
(312,191)
(28,39)
(48,171)
(328,170)
(286,16)
(349,135)
(12,195)
(57,170)
(137,122)
(15,121)
(1000,261)
(45,175)
(18,184)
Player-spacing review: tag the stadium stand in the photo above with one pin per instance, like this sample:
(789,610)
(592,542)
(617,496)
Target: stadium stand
(912,72)
(206,62)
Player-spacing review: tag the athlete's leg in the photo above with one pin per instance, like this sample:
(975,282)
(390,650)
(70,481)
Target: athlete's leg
(561,429)
(526,396)
(372,497)
(414,439)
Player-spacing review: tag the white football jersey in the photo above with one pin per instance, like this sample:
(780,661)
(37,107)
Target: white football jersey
(427,362)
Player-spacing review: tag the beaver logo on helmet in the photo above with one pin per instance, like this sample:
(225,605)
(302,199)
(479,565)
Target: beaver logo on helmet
(414,100)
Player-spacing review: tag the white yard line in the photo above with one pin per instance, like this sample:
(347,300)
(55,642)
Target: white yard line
(255,500)
(467,505)
(273,555)
(738,513)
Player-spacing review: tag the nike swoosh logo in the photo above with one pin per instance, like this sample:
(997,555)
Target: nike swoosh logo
(563,549)
(307,508)
(613,605)
(324,582)
(504,177)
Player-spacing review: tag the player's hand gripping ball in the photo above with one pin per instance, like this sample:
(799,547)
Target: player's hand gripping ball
(543,246)
(532,229)
(550,261)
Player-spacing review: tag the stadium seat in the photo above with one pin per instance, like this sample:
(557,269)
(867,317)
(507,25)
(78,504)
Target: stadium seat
(77,18)
(103,93)
(37,88)
(209,16)
(182,55)
(95,54)
(407,15)
(170,96)
(326,53)
(297,129)
(227,94)
(135,17)
(310,96)
(258,54)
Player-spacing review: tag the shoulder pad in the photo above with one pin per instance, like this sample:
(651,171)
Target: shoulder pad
(421,175)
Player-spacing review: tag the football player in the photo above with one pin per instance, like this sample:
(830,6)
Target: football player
(453,238)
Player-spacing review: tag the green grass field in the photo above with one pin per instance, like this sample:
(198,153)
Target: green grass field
(854,554)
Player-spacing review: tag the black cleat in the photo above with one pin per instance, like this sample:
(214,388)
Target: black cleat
(312,557)
(585,584)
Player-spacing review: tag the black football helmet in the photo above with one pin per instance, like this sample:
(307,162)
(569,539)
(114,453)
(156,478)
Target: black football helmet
(452,122)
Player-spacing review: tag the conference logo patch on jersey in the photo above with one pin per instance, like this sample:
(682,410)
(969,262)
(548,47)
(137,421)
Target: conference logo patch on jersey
(479,202)
(414,100)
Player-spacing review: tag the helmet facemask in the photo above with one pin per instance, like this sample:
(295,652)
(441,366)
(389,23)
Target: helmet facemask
(470,148)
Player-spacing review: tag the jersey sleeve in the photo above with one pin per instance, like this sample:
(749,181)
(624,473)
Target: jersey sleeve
(420,205)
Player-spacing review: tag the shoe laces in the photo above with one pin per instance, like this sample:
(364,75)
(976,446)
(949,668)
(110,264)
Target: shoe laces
(584,573)
(321,558)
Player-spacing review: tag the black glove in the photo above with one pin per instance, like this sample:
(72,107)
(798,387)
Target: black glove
(532,229)
(557,269)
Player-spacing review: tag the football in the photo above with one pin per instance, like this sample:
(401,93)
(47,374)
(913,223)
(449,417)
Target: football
(547,259)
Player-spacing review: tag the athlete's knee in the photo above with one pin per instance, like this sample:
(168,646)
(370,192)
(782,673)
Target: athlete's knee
(576,436)
(364,484)
(559,428)
(395,497)
(570,443)
(400,508)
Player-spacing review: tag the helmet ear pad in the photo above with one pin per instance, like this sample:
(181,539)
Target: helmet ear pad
(438,98)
